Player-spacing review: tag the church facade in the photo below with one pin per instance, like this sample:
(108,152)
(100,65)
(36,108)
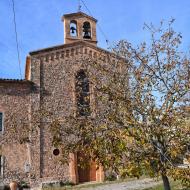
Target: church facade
(49,84)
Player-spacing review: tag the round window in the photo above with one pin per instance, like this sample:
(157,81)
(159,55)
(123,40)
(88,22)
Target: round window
(56,152)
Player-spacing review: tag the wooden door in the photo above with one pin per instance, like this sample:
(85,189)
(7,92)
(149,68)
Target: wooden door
(87,173)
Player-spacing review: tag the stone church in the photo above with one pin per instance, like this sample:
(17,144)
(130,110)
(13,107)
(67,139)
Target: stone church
(50,83)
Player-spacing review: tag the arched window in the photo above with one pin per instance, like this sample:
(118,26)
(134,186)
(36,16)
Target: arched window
(82,94)
(73,28)
(1,122)
(86,30)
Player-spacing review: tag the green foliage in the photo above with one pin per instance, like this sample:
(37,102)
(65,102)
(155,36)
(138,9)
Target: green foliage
(57,185)
(111,177)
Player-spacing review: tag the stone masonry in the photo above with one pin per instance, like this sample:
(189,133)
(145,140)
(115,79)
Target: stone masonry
(49,84)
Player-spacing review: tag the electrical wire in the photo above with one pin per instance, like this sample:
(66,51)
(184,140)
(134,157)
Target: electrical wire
(101,30)
(16,34)
(79,6)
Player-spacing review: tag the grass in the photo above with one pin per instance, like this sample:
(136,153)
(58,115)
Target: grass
(88,185)
(174,186)
(78,187)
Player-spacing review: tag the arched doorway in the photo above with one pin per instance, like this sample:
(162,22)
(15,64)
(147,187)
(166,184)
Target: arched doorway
(86,172)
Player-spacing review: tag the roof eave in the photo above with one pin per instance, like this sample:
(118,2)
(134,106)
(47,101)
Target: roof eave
(79,13)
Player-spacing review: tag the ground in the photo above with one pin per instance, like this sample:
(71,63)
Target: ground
(130,184)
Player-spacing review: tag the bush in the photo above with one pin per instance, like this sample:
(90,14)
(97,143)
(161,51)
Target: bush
(6,187)
(22,185)
(111,177)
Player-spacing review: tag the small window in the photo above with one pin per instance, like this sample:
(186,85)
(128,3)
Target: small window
(1,121)
(56,152)
(188,148)
(86,30)
(73,28)
(1,165)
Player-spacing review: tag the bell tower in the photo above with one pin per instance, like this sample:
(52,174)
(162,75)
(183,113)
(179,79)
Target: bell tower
(79,26)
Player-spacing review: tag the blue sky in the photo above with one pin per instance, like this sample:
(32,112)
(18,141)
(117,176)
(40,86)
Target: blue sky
(39,24)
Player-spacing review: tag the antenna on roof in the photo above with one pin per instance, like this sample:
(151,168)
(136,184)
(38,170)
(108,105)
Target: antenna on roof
(79,6)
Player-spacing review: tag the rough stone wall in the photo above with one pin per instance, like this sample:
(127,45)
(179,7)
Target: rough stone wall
(54,71)
(15,105)
(45,167)
(53,74)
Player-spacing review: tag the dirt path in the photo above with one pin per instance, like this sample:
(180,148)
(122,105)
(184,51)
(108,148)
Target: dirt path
(130,185)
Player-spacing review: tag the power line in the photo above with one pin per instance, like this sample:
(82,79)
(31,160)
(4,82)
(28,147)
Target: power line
(16,34)
(101,30)
(79,6)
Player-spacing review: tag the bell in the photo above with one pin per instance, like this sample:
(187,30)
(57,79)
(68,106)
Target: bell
(87,30)
(87,35)
(73,30)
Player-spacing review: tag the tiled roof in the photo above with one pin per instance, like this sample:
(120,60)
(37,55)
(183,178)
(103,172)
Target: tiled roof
(2,80)
(57,47)
(79,14)
(70,45)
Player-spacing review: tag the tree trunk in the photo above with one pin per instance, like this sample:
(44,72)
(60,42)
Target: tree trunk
(166,182)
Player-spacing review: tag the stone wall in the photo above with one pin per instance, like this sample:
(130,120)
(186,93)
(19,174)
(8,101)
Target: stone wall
(30,107)
(15,105)
(54,71)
